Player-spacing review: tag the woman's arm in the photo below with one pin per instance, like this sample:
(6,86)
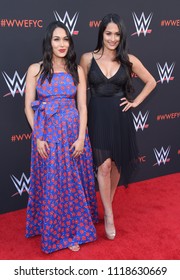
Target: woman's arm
(85,62)
(81,103)
(30,92)
(30,96)
(78,145)
(149,81)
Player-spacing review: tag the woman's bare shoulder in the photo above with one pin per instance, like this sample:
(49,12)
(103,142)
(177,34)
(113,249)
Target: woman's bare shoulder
(35,68)
(133,59)
(86,57)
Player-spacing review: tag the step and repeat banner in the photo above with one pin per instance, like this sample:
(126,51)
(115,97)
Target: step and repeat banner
(153,29)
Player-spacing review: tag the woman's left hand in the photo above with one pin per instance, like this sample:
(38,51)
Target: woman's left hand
(78,146)
(127,104)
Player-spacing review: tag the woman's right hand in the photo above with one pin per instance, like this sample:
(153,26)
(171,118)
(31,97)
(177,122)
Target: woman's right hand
(43,148)
(78,147)
(127,104)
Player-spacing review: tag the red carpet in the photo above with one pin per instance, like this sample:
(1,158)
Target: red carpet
(147,217)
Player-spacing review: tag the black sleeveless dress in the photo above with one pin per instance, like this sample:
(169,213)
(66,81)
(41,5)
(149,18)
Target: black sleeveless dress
(111,131)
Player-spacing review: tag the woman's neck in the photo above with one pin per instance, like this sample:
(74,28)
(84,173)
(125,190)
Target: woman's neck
(59,64)
(107,54)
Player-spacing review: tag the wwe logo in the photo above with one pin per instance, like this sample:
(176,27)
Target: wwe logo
(162,155)
(142,24)
(70,23)
(21,185)
(140,121)
(165,72)
(16,84)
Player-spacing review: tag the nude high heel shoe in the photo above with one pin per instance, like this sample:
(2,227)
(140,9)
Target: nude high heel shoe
(74,248)
(109,227)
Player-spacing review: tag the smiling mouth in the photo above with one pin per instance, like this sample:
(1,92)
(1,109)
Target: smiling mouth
(114,45)
(62,51)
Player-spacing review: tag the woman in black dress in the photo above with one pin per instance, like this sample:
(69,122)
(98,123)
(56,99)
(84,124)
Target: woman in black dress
(109,70)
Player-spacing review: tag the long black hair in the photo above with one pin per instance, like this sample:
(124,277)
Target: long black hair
(70,59)
(121,50)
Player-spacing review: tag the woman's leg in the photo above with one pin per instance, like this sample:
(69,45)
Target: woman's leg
(104,182)
(115,177)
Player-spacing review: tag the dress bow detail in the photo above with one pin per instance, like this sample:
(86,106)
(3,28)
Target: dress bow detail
(43,111)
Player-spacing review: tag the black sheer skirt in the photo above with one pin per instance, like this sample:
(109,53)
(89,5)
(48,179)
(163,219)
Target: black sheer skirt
(112,135)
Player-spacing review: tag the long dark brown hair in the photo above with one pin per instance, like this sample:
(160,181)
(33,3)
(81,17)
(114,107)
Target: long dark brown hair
(121,50)
(70,59)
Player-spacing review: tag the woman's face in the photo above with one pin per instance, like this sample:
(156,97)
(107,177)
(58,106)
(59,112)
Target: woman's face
(111,36)
(60,42)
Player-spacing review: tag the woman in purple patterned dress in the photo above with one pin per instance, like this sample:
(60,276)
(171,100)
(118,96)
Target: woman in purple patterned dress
(62,205)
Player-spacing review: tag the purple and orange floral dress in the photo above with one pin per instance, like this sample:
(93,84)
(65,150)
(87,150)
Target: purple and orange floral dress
(62,205)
